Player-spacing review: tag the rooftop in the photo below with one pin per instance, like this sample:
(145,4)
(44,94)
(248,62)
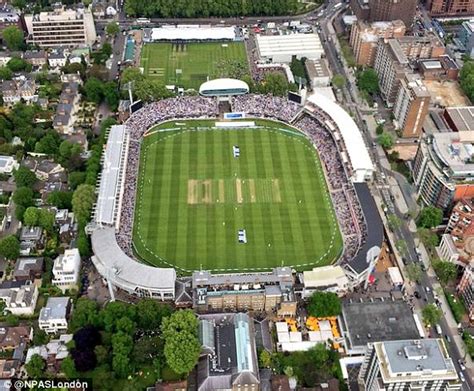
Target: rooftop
(378,321)
(56,308)
(455,150)
(462,117)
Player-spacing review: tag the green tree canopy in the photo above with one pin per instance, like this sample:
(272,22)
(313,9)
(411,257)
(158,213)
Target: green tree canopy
(151,90)
(35,367)
(431,314)
(13,38)
(82,202)
(86,313)
(60,199)
(31,216)
(112,28)
(23,196)
(338,81)
(93,90)
(322,304)
(430,217)
(446,271)
(466,79)
(24,177)
(17,64)
(414,272)
(385,140)
(368,81)
(131,74)
(5,73)
(10,247)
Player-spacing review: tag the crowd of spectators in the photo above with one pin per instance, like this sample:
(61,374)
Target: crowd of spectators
(137,125)
(266,106)
(345,201)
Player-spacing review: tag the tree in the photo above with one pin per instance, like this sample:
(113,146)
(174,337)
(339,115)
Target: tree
(182,352)
(5,73)
(10,247)
(112,28)
(265,359)
(385,140)
(102,354)
(151,90)
(414,272)
(368,81)
(394,221)
(82,202)
(322,304)
(35,367)
(76,178)
(430,217)
(13,38)
(431,314)
(338,81)
(12,320)
(274,83)
(46,220)
(23,196)
(446,271)
(60,199)
(40,337)
(69,368)
(402,246)
(17,64)
(24,177)
(379,130)
(86,313)
(150,313)
(429,238)
(93,90)
(131,74)
(121,365)
(31,216)
(111,95)
(466,79)
(182,346)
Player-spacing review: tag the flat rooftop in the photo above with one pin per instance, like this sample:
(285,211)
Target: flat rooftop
(456,150)
(462,117)
(378,321)
(416,356)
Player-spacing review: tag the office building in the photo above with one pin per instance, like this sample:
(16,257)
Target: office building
(459,119)
(443,169)
(61,28)
(466,36)
(271,291)
(385,10)
(441,68)
(450,7)
(365,38)
(408,365)
(411,105)
(465,289)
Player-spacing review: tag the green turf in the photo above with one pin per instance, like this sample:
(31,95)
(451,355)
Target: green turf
(197,61)
(188,208)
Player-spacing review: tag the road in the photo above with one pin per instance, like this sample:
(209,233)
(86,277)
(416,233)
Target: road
(381,189)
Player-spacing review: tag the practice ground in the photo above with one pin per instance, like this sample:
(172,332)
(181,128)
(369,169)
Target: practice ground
(194,196)
(188,65)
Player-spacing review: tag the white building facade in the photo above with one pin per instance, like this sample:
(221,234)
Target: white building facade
(66,270)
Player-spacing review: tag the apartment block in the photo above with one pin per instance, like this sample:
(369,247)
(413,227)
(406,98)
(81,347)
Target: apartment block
(365,37)
(385,10)
(442,170)
(450,7)
(408,365)
(466,36)
(417,48)
(390,65)
(61,28)
(411,105)
(465,289)
(66,269)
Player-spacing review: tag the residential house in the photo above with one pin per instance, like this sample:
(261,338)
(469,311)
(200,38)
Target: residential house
(53,316)
(11,337)
(9,368)
(18,89)
(46,168)
(28,269)
(36,58)
(68,105)
(54,352)
(66,270)
(5,57)
(57,58)
(20,300)
(8,164)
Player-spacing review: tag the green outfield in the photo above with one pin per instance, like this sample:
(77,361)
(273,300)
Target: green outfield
(194,196)
(190,64)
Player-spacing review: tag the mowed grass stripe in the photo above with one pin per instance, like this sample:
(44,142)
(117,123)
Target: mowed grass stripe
(200,239)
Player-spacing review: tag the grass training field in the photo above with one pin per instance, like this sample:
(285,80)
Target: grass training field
(194,196)
(188,65)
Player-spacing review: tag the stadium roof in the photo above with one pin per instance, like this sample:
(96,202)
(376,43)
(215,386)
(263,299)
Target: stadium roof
(217,85)
(111,171)
(125,272)
(374,227)
(300,45)
(192,33)
(356,148)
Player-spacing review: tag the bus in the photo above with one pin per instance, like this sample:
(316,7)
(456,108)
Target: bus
(419,326)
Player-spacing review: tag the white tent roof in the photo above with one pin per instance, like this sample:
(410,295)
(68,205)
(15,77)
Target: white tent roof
(395,275)
(193,33)
(356,148)
(281,327)
(284,337)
